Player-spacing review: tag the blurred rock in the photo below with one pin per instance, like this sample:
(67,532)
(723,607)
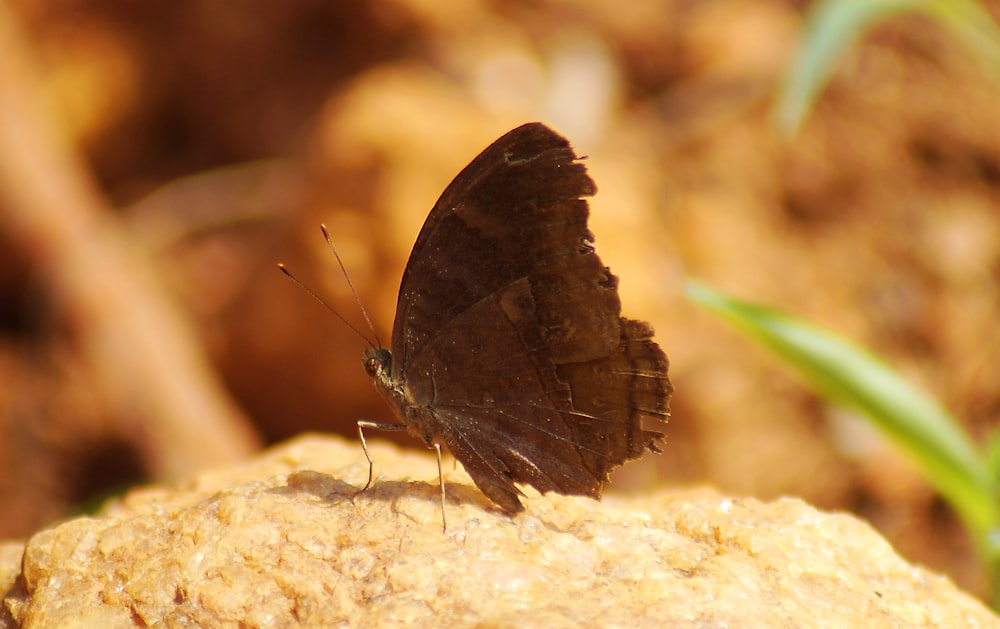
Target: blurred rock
(284,541)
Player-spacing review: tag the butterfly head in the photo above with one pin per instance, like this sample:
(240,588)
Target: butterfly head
(378,363)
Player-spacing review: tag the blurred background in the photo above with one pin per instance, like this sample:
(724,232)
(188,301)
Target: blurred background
(157,159)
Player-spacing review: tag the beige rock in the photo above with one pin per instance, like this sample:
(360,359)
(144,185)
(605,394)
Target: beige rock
(284,542)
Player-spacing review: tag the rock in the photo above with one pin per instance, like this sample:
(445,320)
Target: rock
(284,542)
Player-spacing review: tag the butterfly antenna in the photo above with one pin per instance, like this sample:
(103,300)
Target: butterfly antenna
(343,269)
(312,294)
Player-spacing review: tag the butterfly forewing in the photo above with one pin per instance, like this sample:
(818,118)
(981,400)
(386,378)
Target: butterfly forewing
(508,345)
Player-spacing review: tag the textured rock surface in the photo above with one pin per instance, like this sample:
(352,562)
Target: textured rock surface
(283,542)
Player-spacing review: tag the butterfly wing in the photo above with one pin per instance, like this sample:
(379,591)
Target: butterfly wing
(508,345)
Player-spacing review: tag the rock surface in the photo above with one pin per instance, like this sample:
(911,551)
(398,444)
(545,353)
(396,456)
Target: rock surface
(284,542)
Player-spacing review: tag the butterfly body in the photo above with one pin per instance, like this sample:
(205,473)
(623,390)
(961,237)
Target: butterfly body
(508,347)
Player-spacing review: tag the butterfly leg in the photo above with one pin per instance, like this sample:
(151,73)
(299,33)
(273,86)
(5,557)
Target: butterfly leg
(362,424)
(444,523)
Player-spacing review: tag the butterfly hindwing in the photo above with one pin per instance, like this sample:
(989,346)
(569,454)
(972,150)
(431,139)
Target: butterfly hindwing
(508,346)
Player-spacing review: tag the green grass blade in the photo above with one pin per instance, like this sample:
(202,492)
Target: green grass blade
(832,26)
(972,25)
(850,376)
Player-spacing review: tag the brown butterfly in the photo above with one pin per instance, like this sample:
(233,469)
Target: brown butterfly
(508,347)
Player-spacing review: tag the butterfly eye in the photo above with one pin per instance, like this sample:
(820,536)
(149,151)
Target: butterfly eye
(377,361)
